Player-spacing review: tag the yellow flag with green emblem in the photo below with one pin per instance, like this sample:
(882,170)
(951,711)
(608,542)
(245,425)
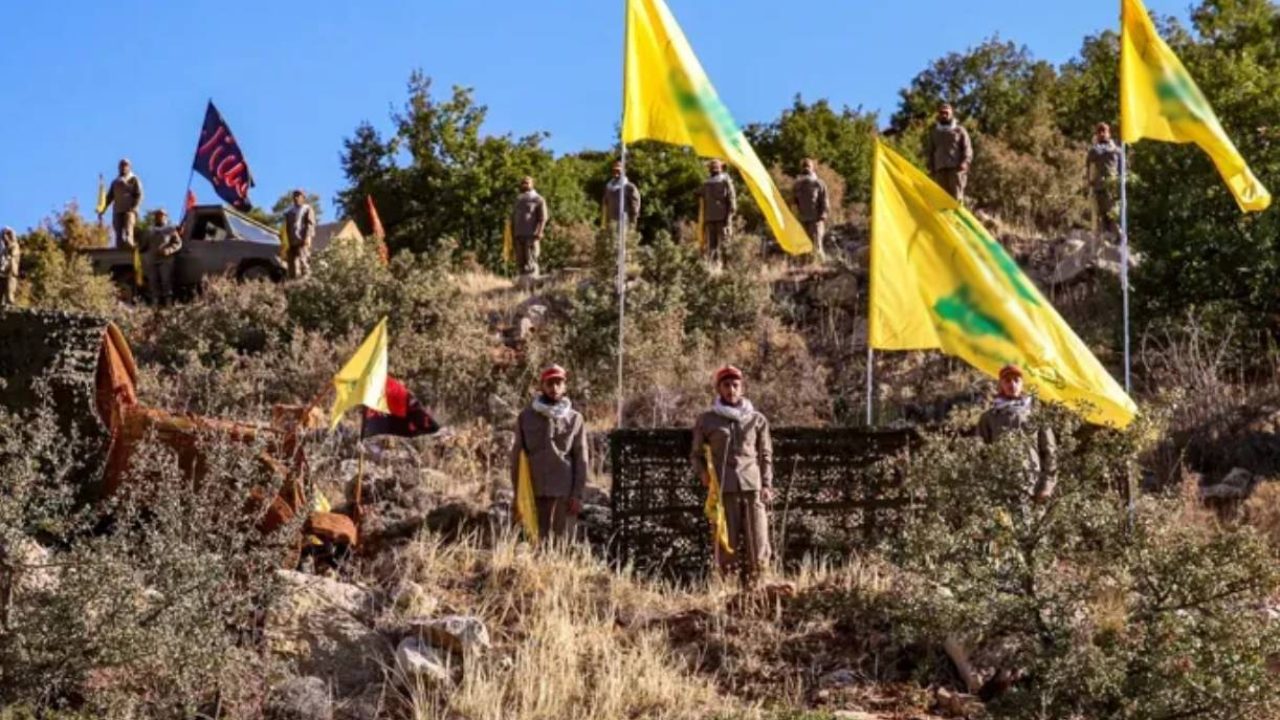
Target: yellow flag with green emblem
(101,205)
(713,508)
(668,97)
(940,281)
(1160,101)
(363,380)
(526,504)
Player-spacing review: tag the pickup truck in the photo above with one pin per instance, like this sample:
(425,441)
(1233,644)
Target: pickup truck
(216,240)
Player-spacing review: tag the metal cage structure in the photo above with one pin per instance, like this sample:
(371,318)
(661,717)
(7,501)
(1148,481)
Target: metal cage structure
(836,489)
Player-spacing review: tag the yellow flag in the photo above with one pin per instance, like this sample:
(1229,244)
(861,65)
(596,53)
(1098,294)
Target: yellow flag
(363,380)
(668,97)
(139,277)
(525,504)
(714,506)
(1160,101)
(508,244)
(939,280)
(284,241)
(101,207)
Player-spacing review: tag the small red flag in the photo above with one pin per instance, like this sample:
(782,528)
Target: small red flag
(375,223)
(191,200)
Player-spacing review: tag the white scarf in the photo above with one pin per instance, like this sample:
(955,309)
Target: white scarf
(947,125)
(1018,403)
(557,411)
(740,413)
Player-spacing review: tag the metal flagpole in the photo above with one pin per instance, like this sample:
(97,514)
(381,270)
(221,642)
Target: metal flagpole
(622,274)
(622,224)
(871,364)
(1124,256)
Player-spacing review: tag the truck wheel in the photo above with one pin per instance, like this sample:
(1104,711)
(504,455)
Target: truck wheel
(256,272)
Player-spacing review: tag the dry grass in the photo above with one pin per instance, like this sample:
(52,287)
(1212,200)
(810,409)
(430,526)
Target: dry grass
(1262,511)
(567,640)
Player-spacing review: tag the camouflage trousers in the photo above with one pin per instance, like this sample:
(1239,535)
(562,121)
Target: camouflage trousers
(953,180)
(715,235)
(817,231)
(9,296)
(555,520)
(159,275)
(123,223)
(748,522)
(299,262)
(528,249)
(1106,209)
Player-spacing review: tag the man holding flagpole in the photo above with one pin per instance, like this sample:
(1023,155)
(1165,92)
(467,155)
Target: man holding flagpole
(620,196)
(551,438)
(733,453)
(125,195)
(717,203)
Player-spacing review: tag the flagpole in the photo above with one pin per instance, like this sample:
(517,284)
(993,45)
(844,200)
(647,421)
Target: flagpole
(871,364)
(622,225)
(1124,257)
(622,275)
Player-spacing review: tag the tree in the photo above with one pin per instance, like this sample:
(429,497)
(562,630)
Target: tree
(285,202)
(991,87)
(455,183)
(842,140)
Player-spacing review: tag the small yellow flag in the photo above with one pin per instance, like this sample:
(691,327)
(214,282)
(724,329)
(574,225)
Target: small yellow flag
(284,242)
(668,97)
(363,380)
(101,207)
(939,280)
(1160,101)
(714,506)
(508,244)
(525,503)
(139,277)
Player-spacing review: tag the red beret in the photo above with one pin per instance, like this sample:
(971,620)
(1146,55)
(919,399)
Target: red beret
(555,372)
(1008,370)
(728,372)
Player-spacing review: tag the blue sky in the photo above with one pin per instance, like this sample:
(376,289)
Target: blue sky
(83,83)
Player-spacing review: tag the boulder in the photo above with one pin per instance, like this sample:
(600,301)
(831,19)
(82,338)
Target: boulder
(1237,485)
(462,634)
(299,698)
(324,628)
(838,679)
(418,662)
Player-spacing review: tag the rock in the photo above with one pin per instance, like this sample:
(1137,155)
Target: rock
(418,662)
(412,599)
(502,413)
(951,704)
(838,291)
(1237,485)
(368,705)
(299,698)
(324,628)
(462,634)
(36,573)
(841,678)
(455,518)
(855,715)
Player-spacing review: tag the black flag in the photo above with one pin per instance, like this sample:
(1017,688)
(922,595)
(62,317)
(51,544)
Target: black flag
(219,160)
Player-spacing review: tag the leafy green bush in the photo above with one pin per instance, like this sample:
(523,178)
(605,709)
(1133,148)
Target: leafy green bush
(1107,616)
(137,609)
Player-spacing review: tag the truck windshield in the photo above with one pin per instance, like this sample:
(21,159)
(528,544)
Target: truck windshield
(243,230)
